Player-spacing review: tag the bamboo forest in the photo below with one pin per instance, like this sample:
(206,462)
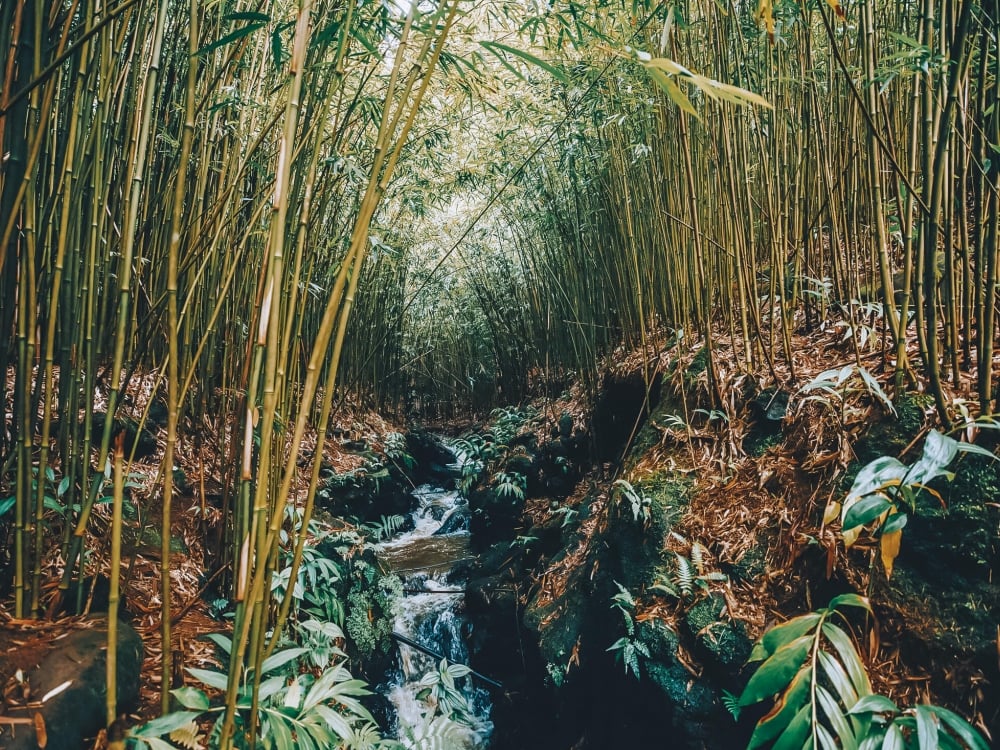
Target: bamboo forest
(499,374)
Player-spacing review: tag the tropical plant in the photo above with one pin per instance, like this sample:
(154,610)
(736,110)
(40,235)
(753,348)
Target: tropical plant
(628,649)
(885,493)
(639,504)
(688,573)
(822,696)
(293,709)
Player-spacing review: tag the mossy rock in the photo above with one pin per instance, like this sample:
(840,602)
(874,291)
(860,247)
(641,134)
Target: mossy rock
(891,435)
(722,641)
(636,543)
(693,698)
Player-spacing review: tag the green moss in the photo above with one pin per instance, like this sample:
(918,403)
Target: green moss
(721,640)
(699,363)
(890,436)
(757,443)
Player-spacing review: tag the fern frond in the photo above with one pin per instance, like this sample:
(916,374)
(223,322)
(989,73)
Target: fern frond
(685,575)
(187,736)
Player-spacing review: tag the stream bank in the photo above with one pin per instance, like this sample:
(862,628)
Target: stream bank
(619,585)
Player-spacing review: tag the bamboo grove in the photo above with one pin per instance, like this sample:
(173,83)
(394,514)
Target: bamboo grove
(188,188)
(242,199)
(653,203)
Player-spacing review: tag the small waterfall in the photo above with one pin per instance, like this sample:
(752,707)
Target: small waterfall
(431,613)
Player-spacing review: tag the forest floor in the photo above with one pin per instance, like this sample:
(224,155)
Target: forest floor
(765,465)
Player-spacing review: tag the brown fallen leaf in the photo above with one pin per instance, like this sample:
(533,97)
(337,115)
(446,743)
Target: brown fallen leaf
(41,736)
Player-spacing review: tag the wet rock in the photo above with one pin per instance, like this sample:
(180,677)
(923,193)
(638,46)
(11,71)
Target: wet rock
(722,643)
(140,440)
(75,715)
(433,458)
(457,520)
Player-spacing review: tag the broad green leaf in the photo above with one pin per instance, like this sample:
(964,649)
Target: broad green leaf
(865,511)
(777,672)
(214,679)
(895,522)
(978,450)
(63,486)
(293,695)
(165,724)
(848,657)
(893,739)
(876,474)
(939,451)
(784,633)
(826,740)
(960,727)
(334,720)
(190,697)
(850,600)
(835,714)
(222,641)
(6,504)
(878,704)
(838,678)
(795,734)
(280,659)
(927,728)
(281,733)
(787,705)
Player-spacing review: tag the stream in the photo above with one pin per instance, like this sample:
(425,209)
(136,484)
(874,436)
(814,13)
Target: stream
(431,612)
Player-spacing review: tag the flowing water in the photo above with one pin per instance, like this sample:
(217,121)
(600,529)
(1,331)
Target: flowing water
(431,612)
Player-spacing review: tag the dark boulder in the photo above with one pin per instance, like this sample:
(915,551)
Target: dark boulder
(76,714)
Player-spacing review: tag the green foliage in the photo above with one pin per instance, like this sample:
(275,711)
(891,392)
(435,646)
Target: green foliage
(297,709)
(688,574)
(395,450)
(371,606)
(836,385)
(639,504)
(510,485)
(823,698)
(385,527)
(629,649)
(441,687)
(885,491)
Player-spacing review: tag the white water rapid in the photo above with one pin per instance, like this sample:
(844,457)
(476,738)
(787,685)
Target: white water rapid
(431,615)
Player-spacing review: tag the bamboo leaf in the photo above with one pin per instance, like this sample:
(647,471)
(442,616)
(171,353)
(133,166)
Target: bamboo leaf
(496,48)
(229,38)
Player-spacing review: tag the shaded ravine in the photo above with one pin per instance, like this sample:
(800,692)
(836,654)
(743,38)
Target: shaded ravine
(431,613)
